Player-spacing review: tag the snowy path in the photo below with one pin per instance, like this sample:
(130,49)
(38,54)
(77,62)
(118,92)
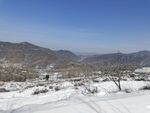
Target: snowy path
(122,103)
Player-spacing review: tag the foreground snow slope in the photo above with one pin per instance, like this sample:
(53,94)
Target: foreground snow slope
(17,99)
(76,99)
(118,103)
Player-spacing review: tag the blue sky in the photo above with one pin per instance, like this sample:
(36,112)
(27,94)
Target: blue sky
(93,26)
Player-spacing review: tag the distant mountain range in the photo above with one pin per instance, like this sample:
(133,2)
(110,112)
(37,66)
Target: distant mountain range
(29,55)
(141,58)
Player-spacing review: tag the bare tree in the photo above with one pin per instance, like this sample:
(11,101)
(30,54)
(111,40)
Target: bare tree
(116,73)
(82,70)
(16,74)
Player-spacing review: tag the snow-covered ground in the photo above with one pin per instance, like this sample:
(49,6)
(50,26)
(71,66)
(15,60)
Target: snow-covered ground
(143,70)
(125,103)
(66,97)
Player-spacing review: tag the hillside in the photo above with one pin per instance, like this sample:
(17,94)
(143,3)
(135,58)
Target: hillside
(67,55)
(27,54)
(30,55)
(138,58)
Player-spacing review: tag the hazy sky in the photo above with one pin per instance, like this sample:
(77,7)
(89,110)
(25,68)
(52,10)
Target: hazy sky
(97,26)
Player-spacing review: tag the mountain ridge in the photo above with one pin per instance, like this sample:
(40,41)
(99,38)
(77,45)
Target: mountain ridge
(138,58)
(28,54)
(32,55)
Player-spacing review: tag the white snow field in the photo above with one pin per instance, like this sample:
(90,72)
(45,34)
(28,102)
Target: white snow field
(75,100)
(126,103)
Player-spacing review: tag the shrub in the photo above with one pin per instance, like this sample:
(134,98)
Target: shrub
(2,83)
(39,91)
(140,79)
(50,87)
(78,84)
(11,73)
(128,90)
(57,88)
(27,87)
(90,90)
(147,87)
(3,90)
(96,81)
